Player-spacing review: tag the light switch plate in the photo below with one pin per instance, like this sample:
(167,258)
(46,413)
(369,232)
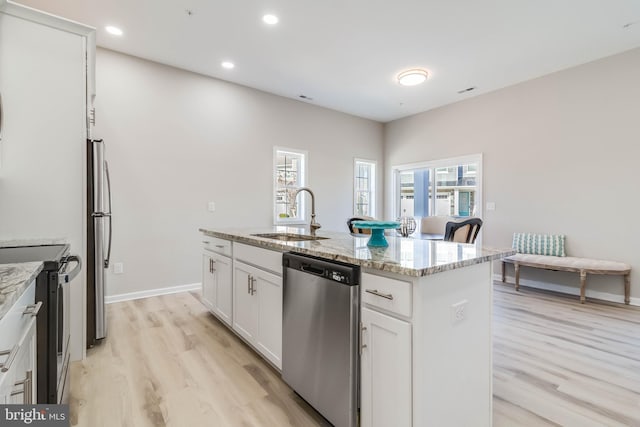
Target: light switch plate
(118,268)
(211,206)
(491,206)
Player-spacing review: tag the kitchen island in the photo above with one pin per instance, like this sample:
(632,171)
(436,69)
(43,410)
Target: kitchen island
(425,317)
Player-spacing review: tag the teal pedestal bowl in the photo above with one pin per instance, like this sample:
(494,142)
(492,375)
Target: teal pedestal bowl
(377,239)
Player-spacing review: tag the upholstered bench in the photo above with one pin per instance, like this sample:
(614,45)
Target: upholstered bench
(551,256)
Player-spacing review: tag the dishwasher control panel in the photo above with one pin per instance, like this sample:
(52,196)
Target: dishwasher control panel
(346,274)
(339,277)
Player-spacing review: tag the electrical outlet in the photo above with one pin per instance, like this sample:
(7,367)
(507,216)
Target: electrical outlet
(211,206)
(491,206)
(458,311)
(118,268)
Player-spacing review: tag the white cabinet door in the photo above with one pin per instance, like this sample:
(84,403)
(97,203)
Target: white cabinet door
(24,385)
(18,384)
(223,301)
(269,294)
(245,315)
(217,286)
(385,371)
(208,282)
(257,310)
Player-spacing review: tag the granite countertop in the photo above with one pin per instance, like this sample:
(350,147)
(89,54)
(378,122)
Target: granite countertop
(33,242)
(14,280)
(404,255)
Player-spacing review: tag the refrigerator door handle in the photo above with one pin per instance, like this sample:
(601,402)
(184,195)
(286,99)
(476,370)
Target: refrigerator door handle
(1,112)
(108,215)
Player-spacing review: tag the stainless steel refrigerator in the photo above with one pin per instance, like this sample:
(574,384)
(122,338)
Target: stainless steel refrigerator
(99,234)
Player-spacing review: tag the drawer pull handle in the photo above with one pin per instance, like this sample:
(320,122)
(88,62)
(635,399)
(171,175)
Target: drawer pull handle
(379,294)
(4,367)
(205,242)
(33,309)
(362,344)
(220,246)
(27,388)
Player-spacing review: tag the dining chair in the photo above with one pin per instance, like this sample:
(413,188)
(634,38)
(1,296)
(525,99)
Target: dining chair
(353,229)
(435,224)
(464,231)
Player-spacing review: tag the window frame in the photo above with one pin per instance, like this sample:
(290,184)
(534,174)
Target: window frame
(433,165)
(303,179)
(372,185)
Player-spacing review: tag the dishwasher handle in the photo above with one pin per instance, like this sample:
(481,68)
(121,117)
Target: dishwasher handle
(312,270)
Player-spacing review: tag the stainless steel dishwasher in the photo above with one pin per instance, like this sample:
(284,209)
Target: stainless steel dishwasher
(321,313)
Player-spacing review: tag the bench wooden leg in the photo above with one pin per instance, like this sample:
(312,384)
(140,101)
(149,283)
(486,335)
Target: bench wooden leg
(583,285)
(517,267)
(627,288)
(503,263)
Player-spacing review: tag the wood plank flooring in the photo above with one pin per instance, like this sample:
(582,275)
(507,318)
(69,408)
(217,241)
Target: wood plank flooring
(559,362)
(168,362)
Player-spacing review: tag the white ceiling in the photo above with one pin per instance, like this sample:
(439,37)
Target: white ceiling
(345,54)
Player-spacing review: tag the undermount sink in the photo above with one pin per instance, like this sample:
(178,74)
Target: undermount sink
(289,237)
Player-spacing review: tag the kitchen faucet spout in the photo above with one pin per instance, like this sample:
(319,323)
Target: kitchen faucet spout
(313,225)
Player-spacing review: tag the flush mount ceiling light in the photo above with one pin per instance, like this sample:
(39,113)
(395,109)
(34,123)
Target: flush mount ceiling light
(412,77)
(228,65)
(113,30)
(270,19)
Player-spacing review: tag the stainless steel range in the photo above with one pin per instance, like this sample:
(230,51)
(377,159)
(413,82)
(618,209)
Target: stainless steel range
(53,336)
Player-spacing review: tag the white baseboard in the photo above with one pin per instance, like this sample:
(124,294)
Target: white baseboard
(152,293)
(569,290)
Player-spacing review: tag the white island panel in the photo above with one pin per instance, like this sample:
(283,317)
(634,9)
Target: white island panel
(452,358)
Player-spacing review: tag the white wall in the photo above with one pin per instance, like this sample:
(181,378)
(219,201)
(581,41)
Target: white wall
(176,140)
(560,156)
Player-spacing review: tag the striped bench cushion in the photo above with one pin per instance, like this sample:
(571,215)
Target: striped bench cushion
(539,244)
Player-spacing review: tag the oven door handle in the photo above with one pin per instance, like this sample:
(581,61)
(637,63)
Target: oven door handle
(69,276)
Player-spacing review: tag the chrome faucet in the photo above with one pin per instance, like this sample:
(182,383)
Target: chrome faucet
(313,225)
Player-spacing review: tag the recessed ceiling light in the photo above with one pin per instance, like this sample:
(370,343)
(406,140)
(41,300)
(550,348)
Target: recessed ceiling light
(412,77)
(113,30)
(270,19)
(228,65)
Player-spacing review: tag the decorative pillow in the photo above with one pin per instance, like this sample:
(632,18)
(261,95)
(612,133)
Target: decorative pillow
(539,244)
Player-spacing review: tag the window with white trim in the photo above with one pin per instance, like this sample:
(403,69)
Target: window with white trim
(364,188)
(290,172)
(455,182)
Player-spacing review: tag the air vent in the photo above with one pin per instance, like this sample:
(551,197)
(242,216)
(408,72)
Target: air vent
(469,89)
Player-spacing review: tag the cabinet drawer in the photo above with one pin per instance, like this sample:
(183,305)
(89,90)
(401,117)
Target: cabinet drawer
(214,244)
(263,258)
(389,294)
(13,323)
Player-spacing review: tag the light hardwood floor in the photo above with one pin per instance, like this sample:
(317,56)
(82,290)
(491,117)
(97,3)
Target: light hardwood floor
(168,362)
(559,362)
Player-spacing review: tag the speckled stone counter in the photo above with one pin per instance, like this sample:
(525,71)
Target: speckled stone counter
(33,242)
(406,256)
(14,280)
